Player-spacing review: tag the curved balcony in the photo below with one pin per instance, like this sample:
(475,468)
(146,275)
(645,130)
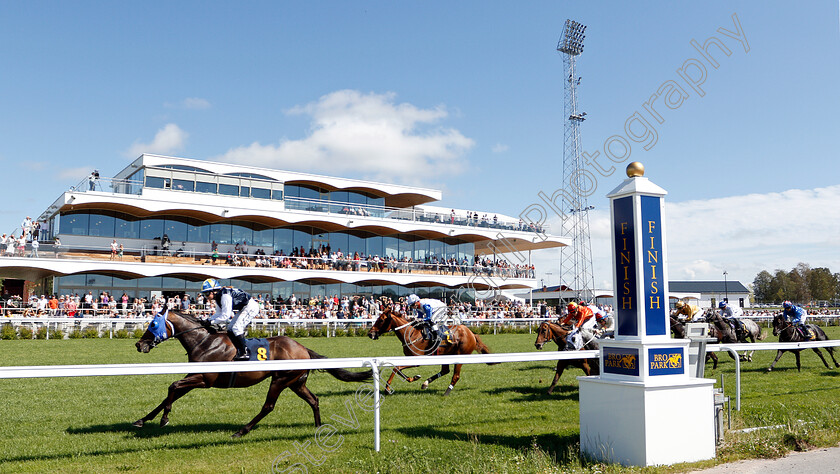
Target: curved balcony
(196,266)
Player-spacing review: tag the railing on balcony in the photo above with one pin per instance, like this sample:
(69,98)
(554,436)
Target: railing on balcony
(416,213)
(190,256)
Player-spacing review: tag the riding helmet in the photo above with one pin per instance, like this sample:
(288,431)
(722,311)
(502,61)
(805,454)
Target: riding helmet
(571,307)
(412,299)
(787,305)
(679,304)
(722,304)
(210,284)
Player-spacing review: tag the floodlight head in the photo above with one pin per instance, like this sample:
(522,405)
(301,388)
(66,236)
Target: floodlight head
(571,42)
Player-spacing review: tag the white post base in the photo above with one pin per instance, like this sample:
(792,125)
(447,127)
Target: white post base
(645,423)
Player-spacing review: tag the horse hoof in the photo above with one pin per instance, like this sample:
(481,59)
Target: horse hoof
(389,390)
(164,423)
(769,369)
(424,386)
(139,423)
(238,434)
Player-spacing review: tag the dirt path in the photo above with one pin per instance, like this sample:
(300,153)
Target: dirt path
(823,460)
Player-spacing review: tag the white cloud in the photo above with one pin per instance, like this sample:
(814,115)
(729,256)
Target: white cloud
(740,234)
(500,148)
(167,140)
(77,173)
(365,134)
(190,103)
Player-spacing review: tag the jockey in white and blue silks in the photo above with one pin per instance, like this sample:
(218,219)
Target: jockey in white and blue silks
(428,310)
(797,316)
(228,300)
(731,314)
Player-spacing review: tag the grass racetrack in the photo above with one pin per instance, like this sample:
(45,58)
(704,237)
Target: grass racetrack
(498,418)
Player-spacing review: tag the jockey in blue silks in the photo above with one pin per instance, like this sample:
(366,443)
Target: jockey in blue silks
(229,299)
(428,310)
(796,315)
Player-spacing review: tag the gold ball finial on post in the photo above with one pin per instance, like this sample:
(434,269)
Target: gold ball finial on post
(635,169)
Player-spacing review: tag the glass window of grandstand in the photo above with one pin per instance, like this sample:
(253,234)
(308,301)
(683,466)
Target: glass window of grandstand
(74,223)
(229,189)
(206,187)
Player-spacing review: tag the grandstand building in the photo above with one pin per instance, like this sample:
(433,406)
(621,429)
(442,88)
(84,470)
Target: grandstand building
(164,224)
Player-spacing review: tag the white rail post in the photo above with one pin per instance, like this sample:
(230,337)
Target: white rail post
(374,366)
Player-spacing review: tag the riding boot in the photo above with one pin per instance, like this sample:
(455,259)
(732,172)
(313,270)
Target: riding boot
(241,349)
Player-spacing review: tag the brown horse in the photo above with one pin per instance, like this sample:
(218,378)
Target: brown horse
(463,341)
(554,332)
(204,345)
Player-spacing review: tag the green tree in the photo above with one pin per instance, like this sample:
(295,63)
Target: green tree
(821,284)
(762,287)
(779,287)
(799,290)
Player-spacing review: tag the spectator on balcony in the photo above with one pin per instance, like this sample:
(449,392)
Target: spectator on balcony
(93,179)
(115,247)
(21,245)
(34,245)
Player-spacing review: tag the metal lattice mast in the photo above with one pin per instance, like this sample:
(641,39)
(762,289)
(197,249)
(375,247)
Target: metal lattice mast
(575,261)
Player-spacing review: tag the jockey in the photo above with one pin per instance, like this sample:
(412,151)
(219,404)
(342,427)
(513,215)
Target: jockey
(731,315)
(603,321)
(585,321)
(796,315)
(229,299)
(429,311)
(689,311)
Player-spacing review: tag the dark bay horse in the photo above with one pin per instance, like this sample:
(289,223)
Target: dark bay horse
(554,332)
(203,345)
(678,329)
(787,332)
(750,333)
(463,342)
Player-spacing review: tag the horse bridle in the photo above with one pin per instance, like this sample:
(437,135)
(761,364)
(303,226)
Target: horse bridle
(164,336)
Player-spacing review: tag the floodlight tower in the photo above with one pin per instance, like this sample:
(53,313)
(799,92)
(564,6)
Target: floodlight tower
(575,262)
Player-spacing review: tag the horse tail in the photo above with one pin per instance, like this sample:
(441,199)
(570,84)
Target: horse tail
(482,348)
(341,374)
(762,335)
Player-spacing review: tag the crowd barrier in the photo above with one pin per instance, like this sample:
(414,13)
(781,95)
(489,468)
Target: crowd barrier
(272,326)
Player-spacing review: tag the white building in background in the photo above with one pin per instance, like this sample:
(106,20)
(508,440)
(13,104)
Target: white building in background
(171,214)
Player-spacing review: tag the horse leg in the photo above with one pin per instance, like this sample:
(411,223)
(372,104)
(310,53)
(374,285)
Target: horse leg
(444,369)
(277,386)
(778,356)
(176,390)
(831,353)
(399,371)
(558,371)
(713,357)
(455,377)
(798,365)
(819,353)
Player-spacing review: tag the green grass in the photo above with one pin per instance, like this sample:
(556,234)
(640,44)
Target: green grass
(498,419)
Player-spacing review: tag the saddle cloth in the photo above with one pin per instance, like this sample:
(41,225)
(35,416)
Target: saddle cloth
(258,347)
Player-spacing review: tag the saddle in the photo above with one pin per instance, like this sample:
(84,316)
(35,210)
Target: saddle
(805,332)
(441,337)
(737,326)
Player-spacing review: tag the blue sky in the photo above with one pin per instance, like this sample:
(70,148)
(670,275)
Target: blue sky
(463,96)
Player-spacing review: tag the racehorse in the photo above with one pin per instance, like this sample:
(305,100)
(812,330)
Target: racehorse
(678,329)
(787,332)
(463,342)
(725,333)
(204,345)
(554,332)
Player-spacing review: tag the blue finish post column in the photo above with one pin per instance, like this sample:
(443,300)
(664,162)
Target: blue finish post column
(627,413)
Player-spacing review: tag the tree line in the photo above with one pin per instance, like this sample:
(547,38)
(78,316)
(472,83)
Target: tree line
(802,284)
